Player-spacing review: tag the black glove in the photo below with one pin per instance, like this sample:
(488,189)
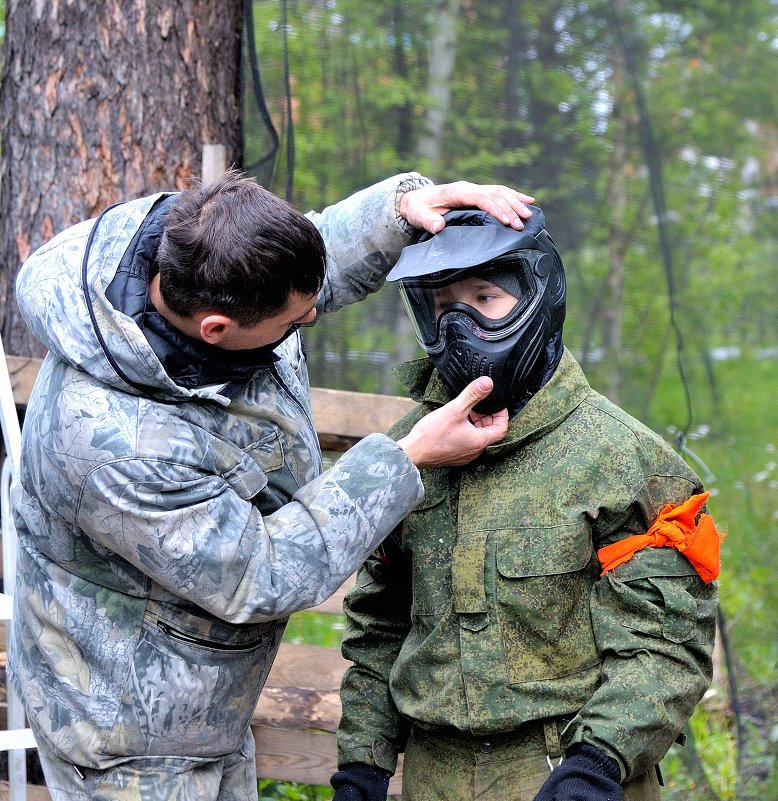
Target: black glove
(359,782)
(586,774)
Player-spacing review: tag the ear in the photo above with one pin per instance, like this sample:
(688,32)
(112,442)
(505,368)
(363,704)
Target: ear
(213,328)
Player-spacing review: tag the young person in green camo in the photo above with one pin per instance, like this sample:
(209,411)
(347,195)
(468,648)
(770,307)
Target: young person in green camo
(541,625)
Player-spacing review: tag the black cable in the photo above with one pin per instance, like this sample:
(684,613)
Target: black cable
(258,93)
(289,120)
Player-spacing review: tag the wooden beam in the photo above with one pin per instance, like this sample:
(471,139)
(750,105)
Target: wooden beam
(23,372)
(35,792)
(214,162)
(297,716)
(341,418)
(300,756)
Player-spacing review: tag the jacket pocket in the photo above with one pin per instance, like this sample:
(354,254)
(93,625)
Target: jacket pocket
(192,686)
(267,451)
(544,578)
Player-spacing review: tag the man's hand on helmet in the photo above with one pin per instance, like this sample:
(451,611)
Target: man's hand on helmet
(424,207)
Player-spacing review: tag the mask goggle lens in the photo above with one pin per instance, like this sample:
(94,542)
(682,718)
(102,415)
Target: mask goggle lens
(489,309)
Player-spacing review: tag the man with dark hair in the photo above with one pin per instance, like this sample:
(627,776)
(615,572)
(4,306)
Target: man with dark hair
(221,249)
(541,625)
(172,510)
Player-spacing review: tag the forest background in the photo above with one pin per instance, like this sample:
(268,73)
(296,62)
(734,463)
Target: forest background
(648,132)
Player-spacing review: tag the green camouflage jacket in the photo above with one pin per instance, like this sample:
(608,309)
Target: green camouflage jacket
(156,569)
(486,609)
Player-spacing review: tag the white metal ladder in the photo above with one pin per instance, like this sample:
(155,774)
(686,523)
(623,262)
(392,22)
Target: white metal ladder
(16,738)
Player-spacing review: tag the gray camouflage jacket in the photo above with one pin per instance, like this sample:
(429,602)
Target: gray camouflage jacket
(156,569)
(486,610)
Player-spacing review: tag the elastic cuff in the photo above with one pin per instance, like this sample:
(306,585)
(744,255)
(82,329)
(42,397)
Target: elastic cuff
(577,732)
(415,181)
(380,755)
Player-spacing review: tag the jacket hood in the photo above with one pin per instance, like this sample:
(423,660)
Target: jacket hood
(67,294)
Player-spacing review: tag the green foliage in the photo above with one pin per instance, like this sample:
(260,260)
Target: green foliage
(538,100)
(315,628)
(270,790)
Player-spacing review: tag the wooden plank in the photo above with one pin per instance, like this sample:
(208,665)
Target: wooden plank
(298,714)
(35,792)
(307,757)
(214,162)
(311,667)
(23,372)
(303,689)
(341,418)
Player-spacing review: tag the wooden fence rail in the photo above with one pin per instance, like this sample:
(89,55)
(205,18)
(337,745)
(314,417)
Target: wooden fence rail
(298,712)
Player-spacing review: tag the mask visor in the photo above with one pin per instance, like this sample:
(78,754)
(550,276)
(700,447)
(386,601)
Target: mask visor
(489,301)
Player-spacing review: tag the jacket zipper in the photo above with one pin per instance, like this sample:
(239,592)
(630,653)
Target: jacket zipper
(290,394)
(177,634)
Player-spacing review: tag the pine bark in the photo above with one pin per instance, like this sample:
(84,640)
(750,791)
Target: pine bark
(101,102)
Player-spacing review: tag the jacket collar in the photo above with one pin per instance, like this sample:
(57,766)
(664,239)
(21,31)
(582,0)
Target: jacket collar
(555,400)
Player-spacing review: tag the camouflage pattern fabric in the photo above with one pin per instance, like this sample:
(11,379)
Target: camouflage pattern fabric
(485,609)
(153,582)
(514,769)
(229,778)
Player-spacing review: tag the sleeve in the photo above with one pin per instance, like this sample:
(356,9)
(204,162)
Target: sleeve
(654,624)
(378,608)
(192,533)
(364,235)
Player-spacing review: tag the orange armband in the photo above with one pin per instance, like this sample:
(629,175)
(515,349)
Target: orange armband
(675,527)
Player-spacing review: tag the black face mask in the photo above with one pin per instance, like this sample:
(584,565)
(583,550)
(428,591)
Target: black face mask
(518,350)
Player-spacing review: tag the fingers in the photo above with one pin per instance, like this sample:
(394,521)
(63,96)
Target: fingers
(493,426)
(507,205)
(447,436)
(502,202)
(432,222)
(472,394)
(499,419)
(424,207)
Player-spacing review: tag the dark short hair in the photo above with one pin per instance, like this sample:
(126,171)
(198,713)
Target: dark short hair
(233,248)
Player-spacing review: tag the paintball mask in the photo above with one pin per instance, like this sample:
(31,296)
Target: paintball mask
(485,299)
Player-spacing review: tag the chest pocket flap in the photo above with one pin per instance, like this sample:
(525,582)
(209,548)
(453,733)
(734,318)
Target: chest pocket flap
(544,551)
(249,476)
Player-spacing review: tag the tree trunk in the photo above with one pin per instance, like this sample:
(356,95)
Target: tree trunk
(617,201)
(516,46)
(402,113)
(442,56)
(103,102)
